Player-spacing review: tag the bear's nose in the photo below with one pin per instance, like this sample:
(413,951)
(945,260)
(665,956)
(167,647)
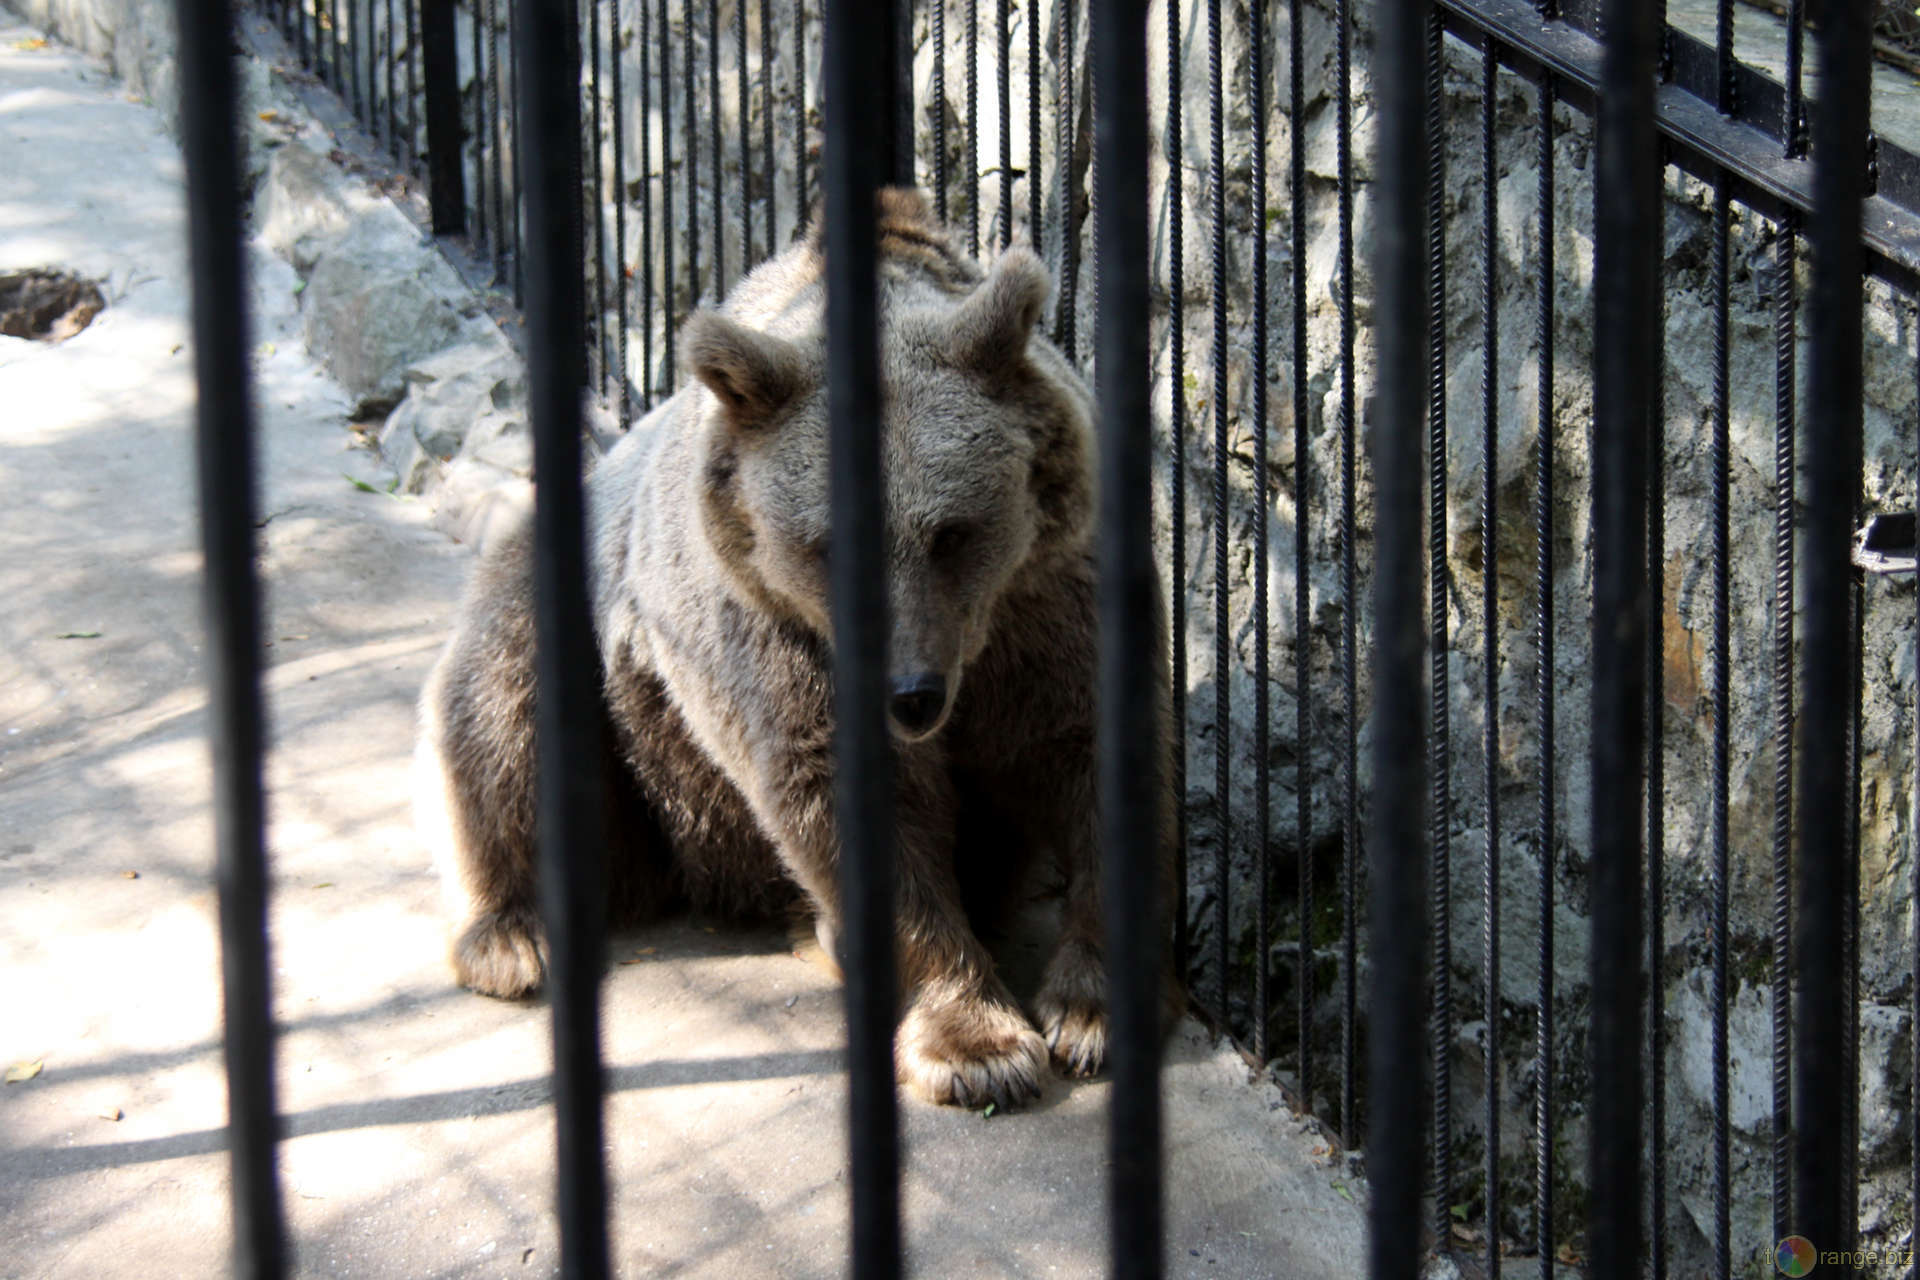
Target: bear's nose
(918,701)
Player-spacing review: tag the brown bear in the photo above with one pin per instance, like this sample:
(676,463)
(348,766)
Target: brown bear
(708,535)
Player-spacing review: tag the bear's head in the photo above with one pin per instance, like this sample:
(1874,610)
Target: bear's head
(985,442)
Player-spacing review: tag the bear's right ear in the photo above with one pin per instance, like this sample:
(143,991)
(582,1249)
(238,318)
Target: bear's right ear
(753,374)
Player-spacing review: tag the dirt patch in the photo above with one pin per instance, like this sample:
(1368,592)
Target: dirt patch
(48,306)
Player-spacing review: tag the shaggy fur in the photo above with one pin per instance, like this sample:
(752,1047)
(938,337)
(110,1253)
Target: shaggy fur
(708,532)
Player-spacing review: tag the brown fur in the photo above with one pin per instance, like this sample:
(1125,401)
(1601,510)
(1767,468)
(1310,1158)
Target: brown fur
(707,528)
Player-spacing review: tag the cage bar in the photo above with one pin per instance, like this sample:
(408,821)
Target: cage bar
(440,75)
(1490,630)
(1439,734)
(1176,455)
(859,38)
(1257,200)
(224,456)
(567,708)
(1222,624)
(1626,220)
(1302,489)
(1349,592)
(1544,850)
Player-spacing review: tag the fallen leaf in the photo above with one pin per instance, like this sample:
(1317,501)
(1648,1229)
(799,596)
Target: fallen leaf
(21,1072)
(269,116)
(298,637)
(1345,1194)
(646,951)
(33,45)
(78,635)
(986,1112)
(324,884)
(792,1001)
(1567,1255)
(361,485)
(129,875)
(111,1113)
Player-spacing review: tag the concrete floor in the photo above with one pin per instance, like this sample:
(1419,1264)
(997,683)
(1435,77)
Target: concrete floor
(418,1133)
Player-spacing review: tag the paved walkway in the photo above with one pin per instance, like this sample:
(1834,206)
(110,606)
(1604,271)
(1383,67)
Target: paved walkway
(419,1135)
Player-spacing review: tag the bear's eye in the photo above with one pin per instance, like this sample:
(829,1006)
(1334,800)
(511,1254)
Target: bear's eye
(950,540)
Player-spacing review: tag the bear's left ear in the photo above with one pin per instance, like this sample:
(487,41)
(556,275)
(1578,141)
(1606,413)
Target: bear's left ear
(754,374)
(991,328)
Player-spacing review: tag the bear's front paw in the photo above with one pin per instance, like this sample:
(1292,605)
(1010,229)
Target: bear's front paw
(967,1051)
(502,953)
(1071,1009)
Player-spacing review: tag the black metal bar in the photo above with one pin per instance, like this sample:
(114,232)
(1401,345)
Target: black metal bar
(477,134)
(1490,632)
(1222,622)
(766,125)
(689,98)
(1064,314)
(494,119)
(858,37)
(1626,221)
(799,114)
(1302,491)
(355,99)
(937,35)
(593,208)
(1003,83)
(643,40)
(1913,826)
(572,870)
(973,126)
(1654,717)
(386,49)
(517,207)
(1035,188)
(669,320)
(224,455)
(1439,735)
(1784,355)
(1793,120)
(1176,451)
(899,159)
(1543,1055)
(621,267)
(715,136)
(414,57)
(1833,476)
(1396,1088)
(1257,201)
(440,73)
(1129,759)
(745,109)
(1719,466)
(1349,591)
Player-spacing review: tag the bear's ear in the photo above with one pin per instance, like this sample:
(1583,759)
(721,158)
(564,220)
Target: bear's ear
(991,328)
(753,374)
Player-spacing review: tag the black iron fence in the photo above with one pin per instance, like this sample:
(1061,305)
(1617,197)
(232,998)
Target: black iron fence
(618,162)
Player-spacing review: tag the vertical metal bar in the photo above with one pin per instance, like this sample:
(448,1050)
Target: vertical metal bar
(859,38)
(517,206)
(305,43)
(716,135)
(1490,630)
(592,208)
(1833,476)
(414,56)
(766,123)
(1176,443)
(690,100)
(1065,313)
(1035,188)
(440,68)
(352,35)
(973,126)
(1129,761)
(1396,1088)
(224,455)
(1543,1091)
(1718,465)
(937,35)
(898,103)
(1794,127)
(1003,81)
(643,41)
(1850,993)
(745,108)
(393,127)
(567,706)
(477,134)
(799,114)
(1222,623)
(1349,590)
(622,268)
(1627,220)
(1439,592)
(1913,825)
(1257,201)
(494,119)
(1654,717)
(1783,520)
(669,321)
(1302,493)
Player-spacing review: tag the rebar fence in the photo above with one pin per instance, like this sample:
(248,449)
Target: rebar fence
(1521,547)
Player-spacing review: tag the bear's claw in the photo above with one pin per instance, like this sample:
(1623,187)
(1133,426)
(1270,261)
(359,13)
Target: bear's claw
(502,954)
(969,1052)
(1076,1034)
